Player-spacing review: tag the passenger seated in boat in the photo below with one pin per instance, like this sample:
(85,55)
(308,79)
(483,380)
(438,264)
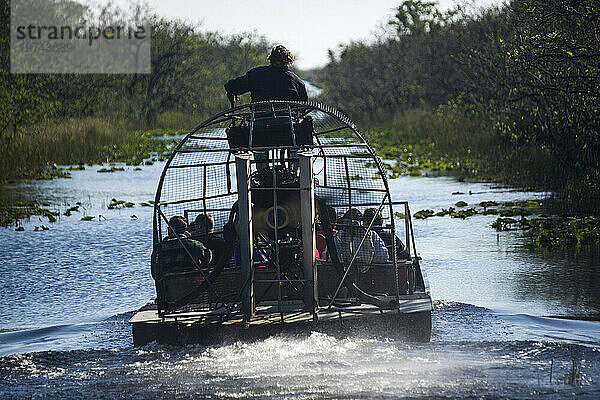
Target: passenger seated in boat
(203,230)
(172,257)
(320,237)
(385,234)
(348,239)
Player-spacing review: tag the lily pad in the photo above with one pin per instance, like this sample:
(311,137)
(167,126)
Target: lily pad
(486,204)
(423,214)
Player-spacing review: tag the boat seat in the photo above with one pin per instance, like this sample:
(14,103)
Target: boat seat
(272,132)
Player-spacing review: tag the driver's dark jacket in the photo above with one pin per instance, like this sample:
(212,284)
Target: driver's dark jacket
(269,83)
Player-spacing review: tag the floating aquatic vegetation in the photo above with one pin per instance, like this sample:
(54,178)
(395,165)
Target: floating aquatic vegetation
(491,211)
(444,212)
(144,204)
(114,203)
(11,214)
(34,209)
(71,210)
(524,203)
(111,169)
(564,232)
(87,218)
(399,215)
(423,214)
(469,212)
(504,224)
(514,212)
(46,173)
(524,208)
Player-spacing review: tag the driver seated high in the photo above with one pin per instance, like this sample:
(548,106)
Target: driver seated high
(270,82)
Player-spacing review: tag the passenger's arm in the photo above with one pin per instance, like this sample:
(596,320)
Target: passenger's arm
(381,252)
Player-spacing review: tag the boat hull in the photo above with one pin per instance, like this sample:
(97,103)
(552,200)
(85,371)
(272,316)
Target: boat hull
(411,321)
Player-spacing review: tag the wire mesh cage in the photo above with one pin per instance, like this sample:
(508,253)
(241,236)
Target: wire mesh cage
(358,255)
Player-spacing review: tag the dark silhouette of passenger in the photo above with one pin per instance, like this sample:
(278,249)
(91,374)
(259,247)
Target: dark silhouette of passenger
(385,234)
(349,237)
(321,237)
(270,82)
(173,257)
(204,231)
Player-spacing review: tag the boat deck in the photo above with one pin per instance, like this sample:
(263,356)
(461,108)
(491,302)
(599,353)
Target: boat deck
(217,325)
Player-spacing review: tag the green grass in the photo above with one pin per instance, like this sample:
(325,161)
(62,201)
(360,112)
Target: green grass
(468,146)
(449,141)
(68,142)
(34,152)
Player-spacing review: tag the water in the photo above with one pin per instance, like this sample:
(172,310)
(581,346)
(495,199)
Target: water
(66,295)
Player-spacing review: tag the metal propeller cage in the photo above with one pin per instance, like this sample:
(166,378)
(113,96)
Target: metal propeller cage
(201,177)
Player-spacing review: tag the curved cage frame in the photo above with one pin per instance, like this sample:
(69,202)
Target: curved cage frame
(201,177)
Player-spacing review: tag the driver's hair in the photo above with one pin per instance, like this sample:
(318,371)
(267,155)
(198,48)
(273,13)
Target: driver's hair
(280,56)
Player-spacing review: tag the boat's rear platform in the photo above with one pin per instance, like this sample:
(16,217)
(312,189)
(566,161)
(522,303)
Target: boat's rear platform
(410,320)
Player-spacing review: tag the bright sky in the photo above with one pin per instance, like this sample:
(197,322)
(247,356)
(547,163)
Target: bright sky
(307,27)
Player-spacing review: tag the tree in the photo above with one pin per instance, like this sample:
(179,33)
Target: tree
(416,17)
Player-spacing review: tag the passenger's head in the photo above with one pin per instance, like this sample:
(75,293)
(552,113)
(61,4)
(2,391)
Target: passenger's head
(281,57)
(328,214)
(351,215)
(204,224)
(372,214)
(177,225)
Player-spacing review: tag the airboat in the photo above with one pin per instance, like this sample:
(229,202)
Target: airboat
(281,179)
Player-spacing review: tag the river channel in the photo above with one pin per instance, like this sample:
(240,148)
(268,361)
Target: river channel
(66,294)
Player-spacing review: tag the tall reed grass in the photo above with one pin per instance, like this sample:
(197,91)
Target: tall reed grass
(75,141)
(468,140)
(68,142)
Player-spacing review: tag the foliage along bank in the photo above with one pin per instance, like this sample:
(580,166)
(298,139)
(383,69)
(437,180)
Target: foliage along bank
(71,118)
(510,93)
